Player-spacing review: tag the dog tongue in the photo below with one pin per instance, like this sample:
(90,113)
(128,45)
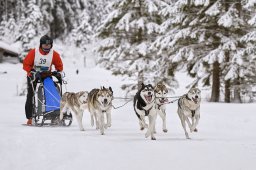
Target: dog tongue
(195,100)
(148,98)
(163,100)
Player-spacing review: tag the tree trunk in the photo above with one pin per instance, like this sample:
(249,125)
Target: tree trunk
(215,82)
(1,56)
(227,91)
(227,59)
(227,82)
(237,96)
(140,79)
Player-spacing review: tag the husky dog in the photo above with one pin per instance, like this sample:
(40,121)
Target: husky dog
(161,92)
(189,107)
(144,105)
(76,103)
(100,103)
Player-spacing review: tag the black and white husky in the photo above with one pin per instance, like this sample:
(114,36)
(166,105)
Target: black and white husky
(189,108)
(144,105)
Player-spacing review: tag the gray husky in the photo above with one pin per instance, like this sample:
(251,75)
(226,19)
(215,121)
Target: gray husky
(76,103)
(161,99)
(189,108)
(99,105)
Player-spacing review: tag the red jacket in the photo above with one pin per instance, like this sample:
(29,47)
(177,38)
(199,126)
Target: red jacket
(28,62)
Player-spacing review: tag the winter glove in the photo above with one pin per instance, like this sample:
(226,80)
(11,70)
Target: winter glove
(62,74)
(63,77)
(33,74)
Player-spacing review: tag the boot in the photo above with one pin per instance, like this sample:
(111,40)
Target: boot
(29,122)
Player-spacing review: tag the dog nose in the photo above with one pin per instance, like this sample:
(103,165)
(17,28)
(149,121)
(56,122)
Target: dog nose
(196,97)
(149,93)
(105,100)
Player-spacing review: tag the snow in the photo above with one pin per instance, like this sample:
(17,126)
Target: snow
(214,9)
(8,47)
(226,137)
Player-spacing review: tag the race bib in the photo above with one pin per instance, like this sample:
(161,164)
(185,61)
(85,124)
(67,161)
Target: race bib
(43,62)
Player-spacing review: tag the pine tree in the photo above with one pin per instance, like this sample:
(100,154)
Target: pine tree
(203,36)
(9,30)
(82,33)
(30,26)
(96,11)
(127,34)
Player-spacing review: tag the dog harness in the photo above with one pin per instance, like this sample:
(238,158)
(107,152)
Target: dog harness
(43,61)
(192,111)
(147,111)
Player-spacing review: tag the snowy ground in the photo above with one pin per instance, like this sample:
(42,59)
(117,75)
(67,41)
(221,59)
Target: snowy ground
(226,139)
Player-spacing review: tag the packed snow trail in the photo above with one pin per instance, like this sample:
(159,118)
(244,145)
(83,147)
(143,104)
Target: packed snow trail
(226,137)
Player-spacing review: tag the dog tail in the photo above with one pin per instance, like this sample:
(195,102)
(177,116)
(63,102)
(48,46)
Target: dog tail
(179,103)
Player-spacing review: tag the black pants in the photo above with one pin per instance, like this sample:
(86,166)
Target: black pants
(29,101)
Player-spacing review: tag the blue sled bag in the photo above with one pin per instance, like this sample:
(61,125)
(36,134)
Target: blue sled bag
(52,96)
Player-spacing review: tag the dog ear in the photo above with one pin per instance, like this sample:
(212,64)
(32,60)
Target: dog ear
(80,93)
(110,89)
(104,88)
(142,85)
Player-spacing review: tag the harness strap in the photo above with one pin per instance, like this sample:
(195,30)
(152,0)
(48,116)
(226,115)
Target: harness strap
(187,97)
(147,111)
(193,113)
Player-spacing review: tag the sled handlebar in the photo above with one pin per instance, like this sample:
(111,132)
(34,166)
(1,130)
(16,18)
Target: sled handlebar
(39,75)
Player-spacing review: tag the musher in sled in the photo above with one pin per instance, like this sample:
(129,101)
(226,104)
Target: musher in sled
(39,59)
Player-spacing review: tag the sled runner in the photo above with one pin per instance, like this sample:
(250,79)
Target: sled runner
(46,100)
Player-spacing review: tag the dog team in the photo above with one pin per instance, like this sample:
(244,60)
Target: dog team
(148,102)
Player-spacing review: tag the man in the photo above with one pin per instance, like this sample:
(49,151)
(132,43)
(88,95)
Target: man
(43,57)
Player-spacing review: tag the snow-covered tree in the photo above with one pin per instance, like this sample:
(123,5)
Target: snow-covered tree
(30,25)
(47,8)
(96,10)
(203,36)
(82,33)
(9,30)
(127,34)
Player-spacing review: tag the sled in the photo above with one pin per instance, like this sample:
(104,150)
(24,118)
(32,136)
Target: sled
(46,100)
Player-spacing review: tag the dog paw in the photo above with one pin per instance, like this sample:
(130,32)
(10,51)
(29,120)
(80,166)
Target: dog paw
(109,125)
(102,133)
(82,129)
(187,136)
(165,130)
(153,138)
(141,128)
(105,126)
(147,135)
